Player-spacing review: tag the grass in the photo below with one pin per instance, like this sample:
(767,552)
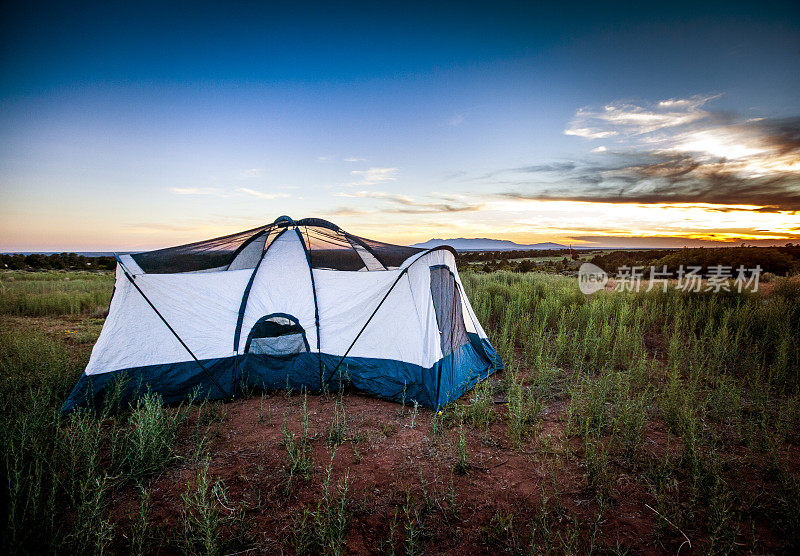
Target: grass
(150,437)
(203,513)
(689,403)
(299,463)
(337,433)
(55,293)
(323,529)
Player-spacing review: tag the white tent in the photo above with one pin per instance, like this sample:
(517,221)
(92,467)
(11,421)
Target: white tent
(298,304)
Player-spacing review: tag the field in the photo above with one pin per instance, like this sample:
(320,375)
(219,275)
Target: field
(623,423)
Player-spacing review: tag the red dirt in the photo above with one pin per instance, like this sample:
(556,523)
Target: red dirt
(249,457)
(387,464)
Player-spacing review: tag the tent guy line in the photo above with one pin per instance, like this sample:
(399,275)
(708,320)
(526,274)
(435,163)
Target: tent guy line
(225,395)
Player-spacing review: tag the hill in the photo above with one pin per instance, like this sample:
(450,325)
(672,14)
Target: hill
(485,244)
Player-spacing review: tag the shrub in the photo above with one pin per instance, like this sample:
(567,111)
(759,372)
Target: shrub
(150,437)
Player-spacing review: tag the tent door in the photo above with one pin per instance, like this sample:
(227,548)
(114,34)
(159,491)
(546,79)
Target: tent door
(277,335)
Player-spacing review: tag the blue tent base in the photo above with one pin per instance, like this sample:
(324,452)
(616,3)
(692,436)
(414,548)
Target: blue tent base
(434,387)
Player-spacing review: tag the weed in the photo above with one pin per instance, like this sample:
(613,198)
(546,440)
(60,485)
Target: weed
(297,447)
(479,412)
(629,418)
(462,465)
(388,546)
(413,527)
(93,530)
(337,433)
(299,456)
(500,529)
(523,410)
(437,425)
(414,413)
(323,529)
(141,527)
(598,467)
(150,437)
(205,514)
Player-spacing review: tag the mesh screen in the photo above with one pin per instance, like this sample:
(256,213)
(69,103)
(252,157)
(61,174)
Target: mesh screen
(330,249)
(328,246)
(390,256)
(447,304)
(194,257)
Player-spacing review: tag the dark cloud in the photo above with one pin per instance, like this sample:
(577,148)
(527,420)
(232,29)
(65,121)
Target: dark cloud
(613,241)
(768,179)
(782,134)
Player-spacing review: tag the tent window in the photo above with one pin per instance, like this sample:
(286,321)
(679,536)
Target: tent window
(277,335)
(447,304)
(328,247)
(209,255)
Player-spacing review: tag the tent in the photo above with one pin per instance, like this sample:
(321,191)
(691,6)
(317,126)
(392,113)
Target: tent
(289,304)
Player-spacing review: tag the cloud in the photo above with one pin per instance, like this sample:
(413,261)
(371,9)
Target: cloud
(552,167)
(674,151)
(662,179)
(588,133)
(150,227)
(251,173)
(354,159)
(457,120)
(197,190)
(403,204)
(460,117)
(261,195)
(600,149)
(669,241)
(625,119)
(347,211)
(374,176)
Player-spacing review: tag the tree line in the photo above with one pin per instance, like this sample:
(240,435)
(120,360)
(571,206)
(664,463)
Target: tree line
(777,260)
(55,261)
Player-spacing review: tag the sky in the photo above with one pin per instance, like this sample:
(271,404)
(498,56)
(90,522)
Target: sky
(131,126)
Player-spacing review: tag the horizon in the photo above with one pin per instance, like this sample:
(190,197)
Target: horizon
(142,127)
(523,247)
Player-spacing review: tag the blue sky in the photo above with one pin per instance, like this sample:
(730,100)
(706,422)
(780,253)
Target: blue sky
(126,127)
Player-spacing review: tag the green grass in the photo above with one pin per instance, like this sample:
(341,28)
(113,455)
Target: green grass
(150,437)
(322,529)
(691,400)
(542,321)
(715,370)
(41,294)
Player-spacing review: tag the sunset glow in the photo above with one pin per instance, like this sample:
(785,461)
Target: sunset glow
(466,133)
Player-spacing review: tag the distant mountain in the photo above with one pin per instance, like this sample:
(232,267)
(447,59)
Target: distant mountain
(485,244)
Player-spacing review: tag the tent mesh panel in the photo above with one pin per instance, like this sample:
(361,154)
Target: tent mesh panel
(329,247)
(214,253)
(447,305)
(390,256)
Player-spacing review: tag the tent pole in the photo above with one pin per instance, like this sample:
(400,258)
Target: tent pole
(316,305)
(402,273)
